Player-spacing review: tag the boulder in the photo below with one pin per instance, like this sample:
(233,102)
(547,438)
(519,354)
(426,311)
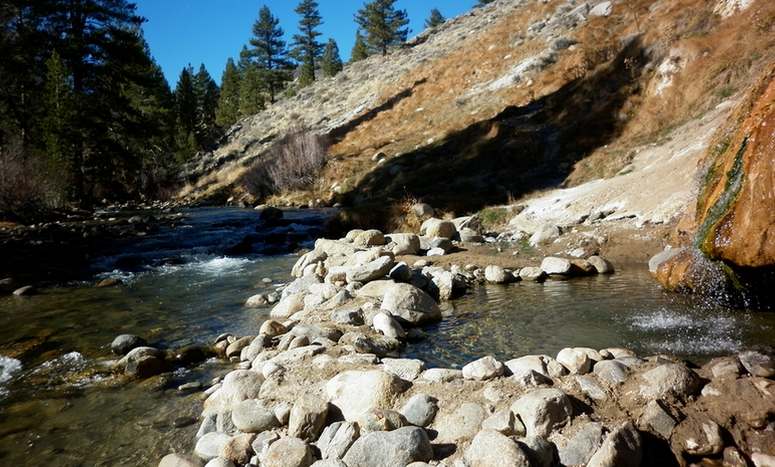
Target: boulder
(220,462)
(234,349)
(401,273)
(492,449)
(611,372)
(468,235)
(670,381)
(308,416)
(257,301)
(582,445)
(122,344)
(288,452)
(251,416)
(496,275)
(337,438)
(577,360)
(461,424)
(545,234)
(369,238)
(238,449)
(504,422)
(272,328)
(237,386)
(210,445)
(483,369)
(405,368)
(179,460)
(532,274)
(312,257)
(438,228)
(758,364)
(143,362)
(356,392)
(410,304)
(621,448)
(553,266)
(441,375)
(663,257)
(540,451)
(601,9)
(656,419)
(384,323)
(381,420)
(389,449)
(422,210)
(543,410)
(377,269)
(420,410)
(404,244)
(288,305)
(601,265)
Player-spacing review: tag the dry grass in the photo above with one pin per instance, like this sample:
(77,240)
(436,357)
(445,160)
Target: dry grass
(28,185)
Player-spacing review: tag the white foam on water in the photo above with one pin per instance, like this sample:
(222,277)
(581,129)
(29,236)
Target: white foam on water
(667,320)
(123,276)
(68,361)
(8,368)
(221,265)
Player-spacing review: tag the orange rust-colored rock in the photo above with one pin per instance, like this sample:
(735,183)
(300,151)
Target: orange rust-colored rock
(736,211)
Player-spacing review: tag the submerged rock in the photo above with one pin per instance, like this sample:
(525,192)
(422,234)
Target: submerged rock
(122,344)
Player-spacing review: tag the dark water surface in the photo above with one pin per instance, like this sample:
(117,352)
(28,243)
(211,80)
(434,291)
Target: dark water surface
(187,285)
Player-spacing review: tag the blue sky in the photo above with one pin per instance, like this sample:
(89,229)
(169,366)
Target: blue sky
(210,31)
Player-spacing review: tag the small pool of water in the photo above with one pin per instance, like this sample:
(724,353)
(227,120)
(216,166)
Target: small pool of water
(627,309)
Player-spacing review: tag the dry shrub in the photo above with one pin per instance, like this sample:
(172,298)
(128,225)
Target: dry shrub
(292,163)
(28,185)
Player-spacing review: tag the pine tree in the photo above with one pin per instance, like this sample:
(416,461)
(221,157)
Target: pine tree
(185,101)
(484,2)
(270,52)
(251,95)
(207,95)
(435,19)
(306,48)
(58,104)
(228,103)
(331,63)
(385,26)
(360,50)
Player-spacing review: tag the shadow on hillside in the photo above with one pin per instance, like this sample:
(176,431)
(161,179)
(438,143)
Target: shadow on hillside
(520,150)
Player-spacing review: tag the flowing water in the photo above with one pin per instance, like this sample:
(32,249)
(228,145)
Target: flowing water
(187,285)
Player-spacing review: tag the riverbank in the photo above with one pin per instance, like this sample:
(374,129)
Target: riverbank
(323,380)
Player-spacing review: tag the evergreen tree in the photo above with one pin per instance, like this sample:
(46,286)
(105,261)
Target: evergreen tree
(185,101)
(207,95)
(385,26)
(331,63)
(251,95)
(270,52)
(228,103)
(484,2)
(306,48)
(58,104)
(360,50)
(435,19)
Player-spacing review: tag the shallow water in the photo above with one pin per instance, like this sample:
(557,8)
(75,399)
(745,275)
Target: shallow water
(627,309)
(187,285)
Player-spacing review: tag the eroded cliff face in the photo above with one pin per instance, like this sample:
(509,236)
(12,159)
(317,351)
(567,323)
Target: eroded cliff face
(732,232)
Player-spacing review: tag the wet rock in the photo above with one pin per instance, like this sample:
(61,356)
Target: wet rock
(179,460)
(388,326)
(257,301)
(191,355)
(656,419)
(532,274)
(492,449)
(410,304)
(434,228)
(356,392)
(211,445)
(663,257)
(543,410)
(758,364)
(288,452)
(388,449)
(420,410)
(25,291)
(582,445)
(143,362)
(109,282)
(483,369)
(496,275)
(601,265)
(251,416)
(621,448)
(238,449)
(405,368)
(556,266)
(671,380)
(369,238)
(336,439)
(307,419)
(122,344)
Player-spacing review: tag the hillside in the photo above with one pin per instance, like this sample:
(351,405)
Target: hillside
(514,98)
